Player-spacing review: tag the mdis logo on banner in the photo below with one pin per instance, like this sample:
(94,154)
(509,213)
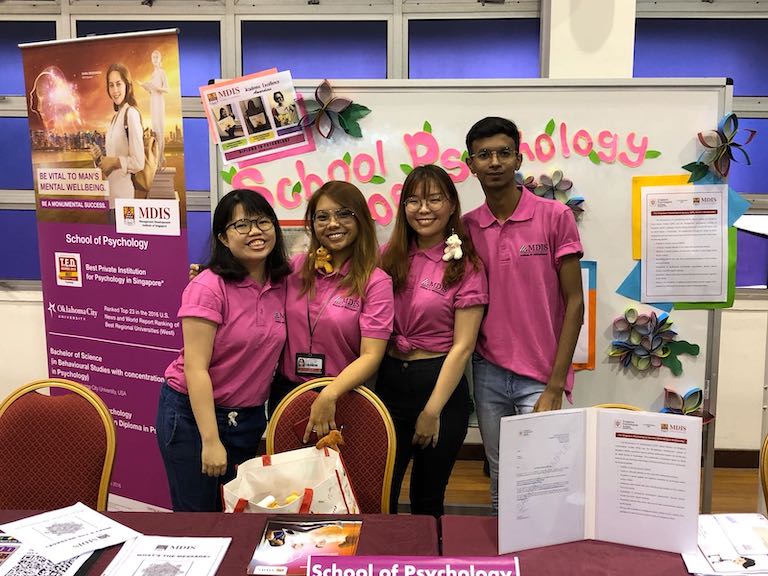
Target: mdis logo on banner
(156,217)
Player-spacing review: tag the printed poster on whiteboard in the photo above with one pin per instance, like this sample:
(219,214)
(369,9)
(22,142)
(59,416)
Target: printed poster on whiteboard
(105,124)
(685,243)
(256,118)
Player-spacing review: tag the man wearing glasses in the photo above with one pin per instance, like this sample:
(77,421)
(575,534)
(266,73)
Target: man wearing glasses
(531,249)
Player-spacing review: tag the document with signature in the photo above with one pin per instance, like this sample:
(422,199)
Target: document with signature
(68,532)
(614,475)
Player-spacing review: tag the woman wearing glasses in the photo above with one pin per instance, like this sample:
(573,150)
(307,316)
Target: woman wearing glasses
(440,297)
(211,415)
(339,317)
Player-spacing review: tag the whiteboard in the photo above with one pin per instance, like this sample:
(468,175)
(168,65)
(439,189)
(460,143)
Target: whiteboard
(668,113)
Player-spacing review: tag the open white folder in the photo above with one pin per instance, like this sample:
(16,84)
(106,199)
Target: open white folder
(614,475)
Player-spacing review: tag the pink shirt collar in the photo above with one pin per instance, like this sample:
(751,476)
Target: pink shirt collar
(524,211)
(248,282)
(435,253)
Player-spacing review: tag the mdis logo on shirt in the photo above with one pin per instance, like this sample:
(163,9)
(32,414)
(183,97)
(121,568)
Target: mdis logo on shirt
(347,302)
(279,317)
(534,249)
(432,286)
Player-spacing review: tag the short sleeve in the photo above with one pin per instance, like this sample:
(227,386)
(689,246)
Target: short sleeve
(378,314)
(474,288)
(567,239)
(201,300)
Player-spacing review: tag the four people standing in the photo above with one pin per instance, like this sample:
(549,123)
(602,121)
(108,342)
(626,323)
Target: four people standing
(505,282)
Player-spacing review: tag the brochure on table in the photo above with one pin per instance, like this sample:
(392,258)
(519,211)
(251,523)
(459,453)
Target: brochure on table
(286,546)
(149,555)
(730,544)
(614,475)
(68,532)
(22,560)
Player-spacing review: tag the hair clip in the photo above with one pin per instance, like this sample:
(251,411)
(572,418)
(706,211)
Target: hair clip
(452,249)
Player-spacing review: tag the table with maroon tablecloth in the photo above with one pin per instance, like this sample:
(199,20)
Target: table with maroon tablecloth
(478,536)
(380,534)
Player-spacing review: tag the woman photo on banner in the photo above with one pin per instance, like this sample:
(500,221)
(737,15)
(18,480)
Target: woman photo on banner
(440,296)
(211,414)
(124,142)
(339,305)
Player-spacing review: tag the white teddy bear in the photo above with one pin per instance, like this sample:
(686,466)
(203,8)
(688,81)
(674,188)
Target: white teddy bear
(452,249)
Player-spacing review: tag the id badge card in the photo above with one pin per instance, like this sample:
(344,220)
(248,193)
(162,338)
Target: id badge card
(308,364)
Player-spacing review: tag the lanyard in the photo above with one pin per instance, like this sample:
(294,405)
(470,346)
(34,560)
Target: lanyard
(313,326)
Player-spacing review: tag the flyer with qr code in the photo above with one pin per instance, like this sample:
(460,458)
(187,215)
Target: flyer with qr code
(68,532)
(256,118)
(24,561)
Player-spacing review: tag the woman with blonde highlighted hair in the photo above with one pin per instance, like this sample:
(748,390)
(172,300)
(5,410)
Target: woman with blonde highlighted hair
(339,305)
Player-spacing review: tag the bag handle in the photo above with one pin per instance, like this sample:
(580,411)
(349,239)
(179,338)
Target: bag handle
(306,503)
(242,503)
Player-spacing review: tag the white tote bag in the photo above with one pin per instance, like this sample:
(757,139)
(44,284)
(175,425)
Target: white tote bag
(317,476)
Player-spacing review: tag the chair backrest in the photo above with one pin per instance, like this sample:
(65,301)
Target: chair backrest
(619,406)
(764,468)
(369,439)
(56,450)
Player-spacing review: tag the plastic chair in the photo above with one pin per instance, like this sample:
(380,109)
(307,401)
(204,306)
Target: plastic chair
(56,450)
(369,438)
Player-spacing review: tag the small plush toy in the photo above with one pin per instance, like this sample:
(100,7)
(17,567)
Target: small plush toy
(331,440)
(452,249)
(323,260)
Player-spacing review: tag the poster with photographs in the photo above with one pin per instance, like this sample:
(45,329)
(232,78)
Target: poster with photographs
(256,118)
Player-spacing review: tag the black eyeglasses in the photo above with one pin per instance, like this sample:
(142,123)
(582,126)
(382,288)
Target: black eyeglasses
(342,216)
(505,154)
(245,225)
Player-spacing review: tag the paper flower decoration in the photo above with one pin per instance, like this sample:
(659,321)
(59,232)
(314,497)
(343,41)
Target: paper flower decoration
(525,182)
(556,187)
(719,146)
(647,341)
(690,403)
(327,111)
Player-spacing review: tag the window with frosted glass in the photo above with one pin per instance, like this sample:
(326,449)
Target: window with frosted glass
(485,48)
(735,48)
(13,33)
(317,49)
(18,228)
(196,154)
(16,159)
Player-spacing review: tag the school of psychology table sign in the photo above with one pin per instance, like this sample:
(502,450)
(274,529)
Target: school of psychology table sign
(412,566)
(113,249)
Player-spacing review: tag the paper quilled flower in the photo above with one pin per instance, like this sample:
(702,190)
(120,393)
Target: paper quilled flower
(557,187)
(647,341)
(719,147)
(528,182)
(327,111)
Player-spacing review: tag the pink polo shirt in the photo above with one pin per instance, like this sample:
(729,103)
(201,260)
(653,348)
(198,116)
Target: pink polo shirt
(424,308)
(522,256)
(338,320)
(249,337)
